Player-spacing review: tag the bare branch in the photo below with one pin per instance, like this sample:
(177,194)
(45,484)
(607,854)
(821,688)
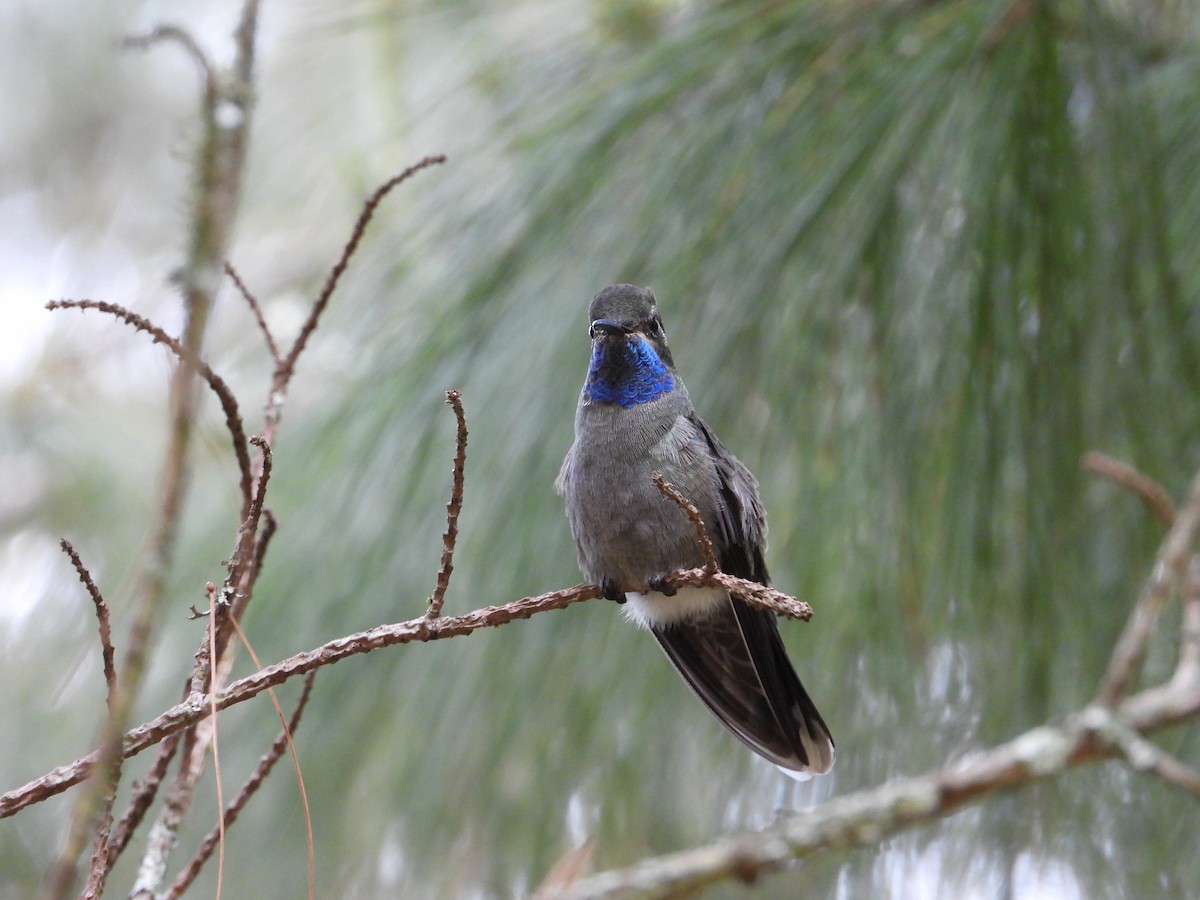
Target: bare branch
(867,817)
(196,706)
(1152,494)
(233,418)
(1169,567)
(284,373)
(265,765)
(252,302)
(453,508)
(706,546)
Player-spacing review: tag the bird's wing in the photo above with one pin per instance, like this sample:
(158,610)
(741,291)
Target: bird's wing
(734,658)
(741,525)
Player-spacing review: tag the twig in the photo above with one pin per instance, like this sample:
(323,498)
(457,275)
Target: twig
(233,417)
(245,553)
(196,707)
(1169,568)
(284,372)
(173,33)
(188,875)
(93,810)
(453,508)
(252,302)
(705,542)
(143,795)
(264,541)
(291,746)
(108,655)
(214,667)
(101,861)
(1152,494)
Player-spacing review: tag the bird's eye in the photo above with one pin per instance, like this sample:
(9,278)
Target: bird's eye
(654,328)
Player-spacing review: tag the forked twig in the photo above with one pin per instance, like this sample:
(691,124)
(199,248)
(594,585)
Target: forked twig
(453,508)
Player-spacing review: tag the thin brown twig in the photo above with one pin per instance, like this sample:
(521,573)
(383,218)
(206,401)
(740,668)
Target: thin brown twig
(244,553)
(233,417)
(269,525)
(214,665)
(1152,494)
(453,508)
(143,795)
(291,746)
(1169,569)
(252,784)
(702,539)
(255,308)
(107,652)
(284,372)
(94,810)
(196,707)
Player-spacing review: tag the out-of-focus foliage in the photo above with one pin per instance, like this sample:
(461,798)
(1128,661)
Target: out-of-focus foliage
(914,259)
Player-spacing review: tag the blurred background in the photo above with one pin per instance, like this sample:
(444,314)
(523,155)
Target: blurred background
(915,258)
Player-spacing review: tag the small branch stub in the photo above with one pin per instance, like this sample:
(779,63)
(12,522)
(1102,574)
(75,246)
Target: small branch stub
(453,508)
(705,542)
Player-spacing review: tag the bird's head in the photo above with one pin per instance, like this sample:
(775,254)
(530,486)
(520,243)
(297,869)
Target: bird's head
(630,360)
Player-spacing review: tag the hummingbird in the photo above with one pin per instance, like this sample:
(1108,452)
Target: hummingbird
(635,419)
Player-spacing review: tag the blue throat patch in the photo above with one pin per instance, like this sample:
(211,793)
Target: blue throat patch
(627,375)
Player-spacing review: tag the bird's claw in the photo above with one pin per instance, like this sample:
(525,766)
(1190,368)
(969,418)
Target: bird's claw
(610,591)
(660,586)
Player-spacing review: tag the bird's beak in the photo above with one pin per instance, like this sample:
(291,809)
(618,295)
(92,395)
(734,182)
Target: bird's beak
(608,328)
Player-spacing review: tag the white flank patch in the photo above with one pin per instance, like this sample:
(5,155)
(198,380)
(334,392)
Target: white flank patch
(653,608)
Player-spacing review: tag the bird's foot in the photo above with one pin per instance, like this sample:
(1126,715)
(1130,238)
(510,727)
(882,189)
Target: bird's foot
(610,591)
(659,585)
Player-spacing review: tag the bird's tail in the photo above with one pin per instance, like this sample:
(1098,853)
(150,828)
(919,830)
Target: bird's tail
(735,661)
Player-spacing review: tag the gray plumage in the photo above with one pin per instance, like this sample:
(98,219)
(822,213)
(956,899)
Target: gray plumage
(634,419)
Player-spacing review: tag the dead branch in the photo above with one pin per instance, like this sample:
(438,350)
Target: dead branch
(196,706)
(453,508)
